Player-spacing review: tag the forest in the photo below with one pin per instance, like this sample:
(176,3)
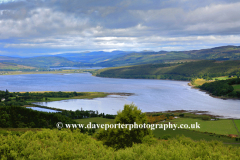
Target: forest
(21,117)
(222,88)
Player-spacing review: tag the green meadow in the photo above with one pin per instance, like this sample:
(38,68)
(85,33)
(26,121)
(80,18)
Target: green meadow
(209,130)
(236,87)
(237,123)
(194,135)
(222,126)
(221,78)
(87,95)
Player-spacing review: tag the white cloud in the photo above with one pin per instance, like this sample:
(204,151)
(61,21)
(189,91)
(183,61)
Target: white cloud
(122,25)
(43,22)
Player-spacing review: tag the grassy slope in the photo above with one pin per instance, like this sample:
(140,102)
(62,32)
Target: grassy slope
(41,61)
(46,61)
(218,53)
(107,60)
(223,126)
(187,70)
(13,66)
(236,87)
(216,127)
(199,82)
(237,123)
(174,133)
(194,135)
(90,95)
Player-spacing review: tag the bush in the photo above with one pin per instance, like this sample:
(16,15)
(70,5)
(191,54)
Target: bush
(206,118)
(181,115)
(64,144)
(123,137)
(166,137)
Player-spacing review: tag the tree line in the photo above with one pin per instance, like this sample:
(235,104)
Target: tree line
(222,87)
(21,117)
(206,69)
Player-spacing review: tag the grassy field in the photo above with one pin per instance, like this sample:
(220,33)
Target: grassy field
(13,66)
(90,95)
(236,87)
(160,133)
(194,135)
(208,126)
(237,123)
(222,126)
(199,82)
(221,78)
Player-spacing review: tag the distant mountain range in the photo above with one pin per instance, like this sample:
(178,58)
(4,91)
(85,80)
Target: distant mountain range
(123,58)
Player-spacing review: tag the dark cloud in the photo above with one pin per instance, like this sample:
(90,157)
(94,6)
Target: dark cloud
(125,24)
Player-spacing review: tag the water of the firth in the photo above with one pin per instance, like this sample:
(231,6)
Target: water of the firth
(149,95)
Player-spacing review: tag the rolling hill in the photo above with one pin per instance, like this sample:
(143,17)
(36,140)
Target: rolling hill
(39,62)
(218,53)
(178,71)
(122,58)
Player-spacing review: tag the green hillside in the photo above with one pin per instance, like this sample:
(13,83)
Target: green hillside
(7,66)
(218,53)
(40,62)
(181,71)
(46,61)
(121,58)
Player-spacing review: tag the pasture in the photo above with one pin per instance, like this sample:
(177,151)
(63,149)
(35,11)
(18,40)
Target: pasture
(222,126)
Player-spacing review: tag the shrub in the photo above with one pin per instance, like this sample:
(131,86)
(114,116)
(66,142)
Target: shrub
(123,137)
(166,137)
(206,118)
(181,115)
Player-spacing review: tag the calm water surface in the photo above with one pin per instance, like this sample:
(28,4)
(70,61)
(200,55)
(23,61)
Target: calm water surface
(43,109)
(149,95)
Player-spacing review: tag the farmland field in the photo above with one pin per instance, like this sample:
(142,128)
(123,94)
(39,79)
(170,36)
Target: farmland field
(237,123)
(236,87)
(199,81)
(194,135)
(222,126)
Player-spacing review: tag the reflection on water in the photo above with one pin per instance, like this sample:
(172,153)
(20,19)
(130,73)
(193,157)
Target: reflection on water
(42,109)
(149,95)
(58,68)
(109,105)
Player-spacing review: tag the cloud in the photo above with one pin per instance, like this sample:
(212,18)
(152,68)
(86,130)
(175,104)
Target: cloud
(123,25)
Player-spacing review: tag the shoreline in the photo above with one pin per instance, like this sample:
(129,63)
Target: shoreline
(92,96)
(143,78)
(3,73)
(195,112)
(210,94)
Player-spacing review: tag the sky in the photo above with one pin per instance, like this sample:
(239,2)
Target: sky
(49,27)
